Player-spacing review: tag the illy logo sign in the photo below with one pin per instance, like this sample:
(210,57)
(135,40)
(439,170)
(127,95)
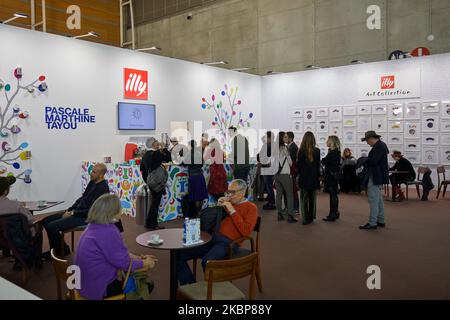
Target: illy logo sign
(388,82)
(135,84)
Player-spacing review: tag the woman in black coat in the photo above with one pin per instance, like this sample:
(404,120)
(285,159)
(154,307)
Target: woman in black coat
(308,165)
(332,163)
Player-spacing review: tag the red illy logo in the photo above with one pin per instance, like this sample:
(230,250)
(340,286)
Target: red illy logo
(388,82)
(135,84)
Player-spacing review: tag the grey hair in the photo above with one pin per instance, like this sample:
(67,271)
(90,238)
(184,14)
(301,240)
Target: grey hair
(104,210)
(150,141)
(241,184)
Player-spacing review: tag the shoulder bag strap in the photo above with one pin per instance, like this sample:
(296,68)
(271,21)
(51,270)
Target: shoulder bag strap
(128,274)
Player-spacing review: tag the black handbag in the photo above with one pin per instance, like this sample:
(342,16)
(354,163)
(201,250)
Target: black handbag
(211,218)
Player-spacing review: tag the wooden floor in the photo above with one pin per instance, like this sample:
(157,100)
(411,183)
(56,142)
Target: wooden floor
(323,260)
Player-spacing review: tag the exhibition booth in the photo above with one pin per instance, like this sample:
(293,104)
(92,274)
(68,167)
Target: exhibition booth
(61,110)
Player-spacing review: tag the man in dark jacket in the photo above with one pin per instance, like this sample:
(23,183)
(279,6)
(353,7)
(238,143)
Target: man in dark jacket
(406,174)
(378,171)
(293,150)
(76,215)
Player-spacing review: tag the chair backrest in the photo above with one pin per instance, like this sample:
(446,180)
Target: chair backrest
(7,243)
(422,171)
(231,269)
(440,171)
(60,266)
(257,230)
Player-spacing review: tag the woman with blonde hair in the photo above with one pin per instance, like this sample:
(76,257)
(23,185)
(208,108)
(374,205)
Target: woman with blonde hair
(101,251)
(308,165)
(333,173)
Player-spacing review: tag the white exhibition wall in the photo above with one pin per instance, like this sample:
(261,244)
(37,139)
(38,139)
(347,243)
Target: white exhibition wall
(82,74)
(341,87)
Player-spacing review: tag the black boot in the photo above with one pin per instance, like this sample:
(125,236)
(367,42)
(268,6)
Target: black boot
(330,218)
(280,217)
(291,219)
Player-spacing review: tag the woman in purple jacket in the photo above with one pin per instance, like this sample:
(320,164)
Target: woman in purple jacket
(101,252)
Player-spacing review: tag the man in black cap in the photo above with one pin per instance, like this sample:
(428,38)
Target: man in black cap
(378,171)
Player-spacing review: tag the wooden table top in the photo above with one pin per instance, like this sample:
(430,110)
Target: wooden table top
(33,205)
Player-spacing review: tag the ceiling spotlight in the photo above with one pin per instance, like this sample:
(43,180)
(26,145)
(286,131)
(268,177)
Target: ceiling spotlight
(149,49)
(89,34)
(312,67)
(214,63)
(17,15)
(357,62)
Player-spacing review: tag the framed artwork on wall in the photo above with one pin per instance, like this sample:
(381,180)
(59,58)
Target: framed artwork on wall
(349,136)
(445,156)
(445,139)
(323,151)
(297,113)
(364,124)
(379,124)
(430,155)
(309,115)
(322,112)
(363,151)
(349,121)
(297,125)
(413,157)
(395,126)
(335,114)
(412,111)
(335,129)
(412,129)
(430,107)
(395,111)
(395,139)
(445,125)
(430,123)
(309,127)
(430,139)
(321,139)
(350,111)
(364,110)
(445,110)
(322,125)
(379,109)
(412,145)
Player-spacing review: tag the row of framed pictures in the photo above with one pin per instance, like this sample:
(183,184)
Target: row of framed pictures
(428,155)
(361,124)
(394,111)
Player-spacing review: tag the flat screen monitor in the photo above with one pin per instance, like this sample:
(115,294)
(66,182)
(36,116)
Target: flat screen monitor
(136,116)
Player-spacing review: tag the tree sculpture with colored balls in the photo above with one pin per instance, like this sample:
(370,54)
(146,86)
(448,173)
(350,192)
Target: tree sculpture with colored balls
(226,114)
(11,155)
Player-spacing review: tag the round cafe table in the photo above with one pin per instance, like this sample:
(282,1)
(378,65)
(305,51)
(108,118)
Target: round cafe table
(173,241)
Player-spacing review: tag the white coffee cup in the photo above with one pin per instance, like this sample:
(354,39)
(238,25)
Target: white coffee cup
(155,238)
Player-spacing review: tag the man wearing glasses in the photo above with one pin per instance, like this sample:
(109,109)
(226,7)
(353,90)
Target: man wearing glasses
(240,221)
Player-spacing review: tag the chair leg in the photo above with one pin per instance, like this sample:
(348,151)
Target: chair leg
(259,278)
(194,268)
(24,274)
(418,191)
(439,191)
(407,192)
(73,241)
(62,244)
(443,192)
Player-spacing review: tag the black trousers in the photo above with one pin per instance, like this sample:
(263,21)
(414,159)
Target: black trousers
(334,202)
(152,217)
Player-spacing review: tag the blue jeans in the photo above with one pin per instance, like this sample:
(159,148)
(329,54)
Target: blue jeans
(376,203)
(216,249)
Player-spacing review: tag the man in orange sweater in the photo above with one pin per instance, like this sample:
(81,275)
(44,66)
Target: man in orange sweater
(240,222)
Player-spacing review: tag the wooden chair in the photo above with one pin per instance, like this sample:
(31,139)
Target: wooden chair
(60,266)
(442,182)
(417,183)
(218,275)
(242,252)
(72,236)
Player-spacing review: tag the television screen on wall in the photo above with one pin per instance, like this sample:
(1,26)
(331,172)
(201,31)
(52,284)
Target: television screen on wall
(136,116)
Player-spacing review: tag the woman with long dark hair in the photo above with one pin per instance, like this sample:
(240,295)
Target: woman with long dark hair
(308,164)
(332,163)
